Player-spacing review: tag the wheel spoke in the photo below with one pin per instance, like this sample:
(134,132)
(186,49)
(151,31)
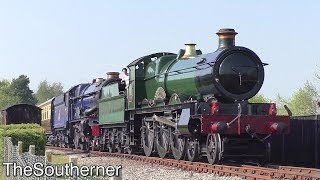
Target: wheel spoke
(181,144)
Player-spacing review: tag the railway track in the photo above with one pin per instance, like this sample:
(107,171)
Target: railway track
(242,171)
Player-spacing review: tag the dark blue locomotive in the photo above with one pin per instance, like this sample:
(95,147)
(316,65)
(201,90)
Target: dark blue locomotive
(74,112)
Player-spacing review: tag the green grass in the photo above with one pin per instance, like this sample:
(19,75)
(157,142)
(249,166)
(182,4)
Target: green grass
(59,159)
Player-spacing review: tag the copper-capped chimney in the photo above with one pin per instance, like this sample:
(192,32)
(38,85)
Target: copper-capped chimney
(112,75)
(226,37)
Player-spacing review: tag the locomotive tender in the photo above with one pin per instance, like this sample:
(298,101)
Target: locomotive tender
(188,105)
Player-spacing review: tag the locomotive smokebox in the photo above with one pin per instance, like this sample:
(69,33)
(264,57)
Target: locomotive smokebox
(226,37)
(112,75)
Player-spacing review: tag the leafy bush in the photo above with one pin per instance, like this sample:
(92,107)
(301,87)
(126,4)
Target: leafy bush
(19,126)
(29,134)
(259,98)
(28,137)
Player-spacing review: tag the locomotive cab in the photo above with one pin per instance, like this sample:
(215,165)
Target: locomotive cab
(139,73)
(112,101)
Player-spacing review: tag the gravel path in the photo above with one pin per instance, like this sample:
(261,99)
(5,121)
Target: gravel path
(133,170)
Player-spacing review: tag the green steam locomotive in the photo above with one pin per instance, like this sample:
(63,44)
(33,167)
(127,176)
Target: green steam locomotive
(190,105)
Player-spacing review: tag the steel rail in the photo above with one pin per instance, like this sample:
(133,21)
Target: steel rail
(242,171)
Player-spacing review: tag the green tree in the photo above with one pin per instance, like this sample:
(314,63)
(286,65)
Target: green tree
(20,88)
(7,98)
(281,102)
(47,91)
(259,98)
(304,100)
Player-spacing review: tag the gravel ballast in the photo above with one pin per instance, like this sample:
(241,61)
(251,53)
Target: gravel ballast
(132,169)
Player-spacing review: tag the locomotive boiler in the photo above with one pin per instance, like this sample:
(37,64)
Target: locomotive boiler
(231,73)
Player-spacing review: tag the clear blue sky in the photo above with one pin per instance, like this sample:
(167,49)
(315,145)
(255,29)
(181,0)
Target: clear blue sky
(75,41)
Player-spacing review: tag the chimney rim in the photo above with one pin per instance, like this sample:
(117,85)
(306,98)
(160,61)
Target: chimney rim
(113,73)
(190,44)
(227,31)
